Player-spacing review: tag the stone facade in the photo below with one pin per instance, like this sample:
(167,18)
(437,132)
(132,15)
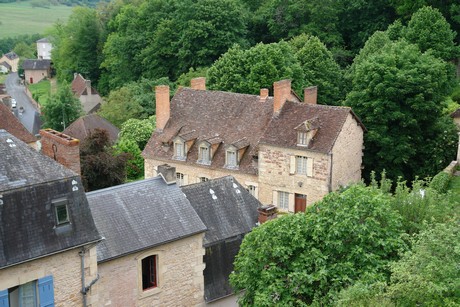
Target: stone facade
(35,76)
(180,276)
(65,267)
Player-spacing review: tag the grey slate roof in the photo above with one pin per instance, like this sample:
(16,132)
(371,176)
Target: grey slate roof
(231,212)
(36,64)
(29,182)
(140,215)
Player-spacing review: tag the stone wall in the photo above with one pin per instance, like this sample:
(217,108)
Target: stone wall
(36,75)
(65,268)
(180,279)
(347,154)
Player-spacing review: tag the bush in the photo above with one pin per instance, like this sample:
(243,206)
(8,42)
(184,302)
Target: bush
(440,182)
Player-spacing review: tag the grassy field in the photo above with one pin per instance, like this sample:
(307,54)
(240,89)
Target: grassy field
(40,91)
(454,187)
(19,18)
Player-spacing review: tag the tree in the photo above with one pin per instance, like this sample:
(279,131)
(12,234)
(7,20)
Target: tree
(135,162)
(138,130)
(301,259)
(61,109)
(399,94)
(101,166)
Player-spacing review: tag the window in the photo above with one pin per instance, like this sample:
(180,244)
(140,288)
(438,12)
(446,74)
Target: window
(180,179)
(149,272)
(179,150)
(61,211)
(302,138)
(283,200)
(203,179)
(301,165)
(252,189)
(35,293)
(231,158)
(204,156)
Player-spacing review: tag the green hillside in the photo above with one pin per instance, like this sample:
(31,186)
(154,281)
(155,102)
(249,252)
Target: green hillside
(19,18)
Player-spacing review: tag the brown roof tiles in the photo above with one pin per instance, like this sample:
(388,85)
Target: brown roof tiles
(10,123)
(83,126)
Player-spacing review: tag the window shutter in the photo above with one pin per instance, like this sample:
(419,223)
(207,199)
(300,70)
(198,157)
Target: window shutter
(310,167)
(292,165)
(275,198)
(46,291)
(185,179)
(4,298)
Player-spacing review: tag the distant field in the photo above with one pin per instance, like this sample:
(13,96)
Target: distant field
(19,18)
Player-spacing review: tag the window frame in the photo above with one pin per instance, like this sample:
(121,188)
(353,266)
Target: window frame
(302,138)
(252,189)
(301,165)
(283,200)
(152,272)
(58,204)
(179,150)
(204,159)
(180,178)
(203,179)
(234,162)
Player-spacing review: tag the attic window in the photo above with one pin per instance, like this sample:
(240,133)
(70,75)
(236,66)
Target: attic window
(302,138)
(179,150)
(204,154)
(61,212)
(231,158)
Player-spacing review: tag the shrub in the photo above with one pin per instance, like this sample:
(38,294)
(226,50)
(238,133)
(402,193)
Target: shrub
(440,182)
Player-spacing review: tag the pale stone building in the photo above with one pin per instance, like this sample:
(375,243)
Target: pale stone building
(12,59)
(48,253)
(36,70)
(285,151)
(44,48)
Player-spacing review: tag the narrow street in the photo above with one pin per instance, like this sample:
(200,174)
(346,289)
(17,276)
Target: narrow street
(30,118)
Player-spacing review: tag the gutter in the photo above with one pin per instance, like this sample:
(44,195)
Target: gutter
(86,289)
(329,185)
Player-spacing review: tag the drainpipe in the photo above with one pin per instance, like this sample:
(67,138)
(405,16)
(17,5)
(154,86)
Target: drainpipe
(84,289)
(330,173)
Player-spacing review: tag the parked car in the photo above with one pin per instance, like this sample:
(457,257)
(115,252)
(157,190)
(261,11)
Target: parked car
(13,103)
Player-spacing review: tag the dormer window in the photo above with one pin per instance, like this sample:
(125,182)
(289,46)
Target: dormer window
(204,154)
(302,138)
(306,131)
(179,150)
(231,158)
(61,212)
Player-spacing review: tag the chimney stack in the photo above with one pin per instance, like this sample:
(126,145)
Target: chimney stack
(168,173)
(198,83)
(266,213)
(62,148)
(281,92)
(75,75)
(162,106)
(88,87)
(263,94)
(310,94)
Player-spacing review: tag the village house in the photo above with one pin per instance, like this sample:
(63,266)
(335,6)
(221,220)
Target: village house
(36,70)
(88,95)
(285,151)
(48,250)
(44,48)
(5,67)
(12,125)
(12,59)
(85,125)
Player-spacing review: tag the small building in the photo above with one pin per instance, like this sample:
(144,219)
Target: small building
(47,233)
(12,59)
(88,95)
(153,251)
(36,70)
(44,48)
(5,67)
(12,125)
(229,212)
(85,125)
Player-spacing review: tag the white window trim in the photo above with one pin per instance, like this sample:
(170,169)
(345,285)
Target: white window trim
(207,159)
(293,166)
(302,138)
(183,150)
(227,158)
(256,189)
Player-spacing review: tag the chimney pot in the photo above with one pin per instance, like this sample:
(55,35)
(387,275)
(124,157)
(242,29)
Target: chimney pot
(267,212)
(62,148)
(310,94)
(198,83)
(281,92)
(162,106)
(263,94)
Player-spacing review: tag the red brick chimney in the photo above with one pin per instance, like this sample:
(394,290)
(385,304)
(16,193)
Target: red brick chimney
(266,213)
(62,148)
(263,94)
(310,94)
(198,83)
(281,92)
(162,106)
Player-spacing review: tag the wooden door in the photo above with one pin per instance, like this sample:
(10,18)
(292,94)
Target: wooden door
(300,203)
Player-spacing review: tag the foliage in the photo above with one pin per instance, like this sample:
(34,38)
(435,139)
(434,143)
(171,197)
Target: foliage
(135,163)
(61,109)
(138,130)
(101,166)
(399,92)
(429,274)
(440,182)
(185,78)
(41,91)
(304,258)
(24,50)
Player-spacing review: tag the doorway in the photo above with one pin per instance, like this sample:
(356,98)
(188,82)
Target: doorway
(300,203)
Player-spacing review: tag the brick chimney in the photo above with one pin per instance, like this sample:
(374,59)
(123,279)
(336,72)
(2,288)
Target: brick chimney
(310,94)
(198,83)
(88,87)
(75,75)
(162,106)
(266,213)
(263,94)
(168,173)
(281,92)
(62,148)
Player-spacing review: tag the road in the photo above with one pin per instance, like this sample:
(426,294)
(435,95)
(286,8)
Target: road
(30,118)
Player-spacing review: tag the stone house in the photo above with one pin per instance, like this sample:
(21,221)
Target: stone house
(88,95)
(5,67)
(48,253)
(12,59)
(229,212)
(44,48)
(85,125)
(36,70)
(153,251)
(285,151)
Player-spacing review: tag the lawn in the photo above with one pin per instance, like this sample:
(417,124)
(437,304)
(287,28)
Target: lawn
(3,78)
(40,91)
(18,18)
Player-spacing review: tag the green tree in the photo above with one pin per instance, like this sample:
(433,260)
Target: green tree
(135,162)
(28,51)
(61,109)
(399,94)
(138,130)
(301,259)
(101,166)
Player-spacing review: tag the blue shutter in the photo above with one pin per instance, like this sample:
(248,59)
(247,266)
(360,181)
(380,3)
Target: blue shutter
(4,298)
(46,291)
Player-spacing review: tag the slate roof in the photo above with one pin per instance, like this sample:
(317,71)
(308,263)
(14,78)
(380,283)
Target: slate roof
(225,207)
(11,55)
(36,64)
(233,117)
(10,123)
(140,215)
(85,125)
(8,66)
(29,182)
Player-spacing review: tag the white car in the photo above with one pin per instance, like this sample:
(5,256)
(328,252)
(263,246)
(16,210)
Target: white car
(13,103)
